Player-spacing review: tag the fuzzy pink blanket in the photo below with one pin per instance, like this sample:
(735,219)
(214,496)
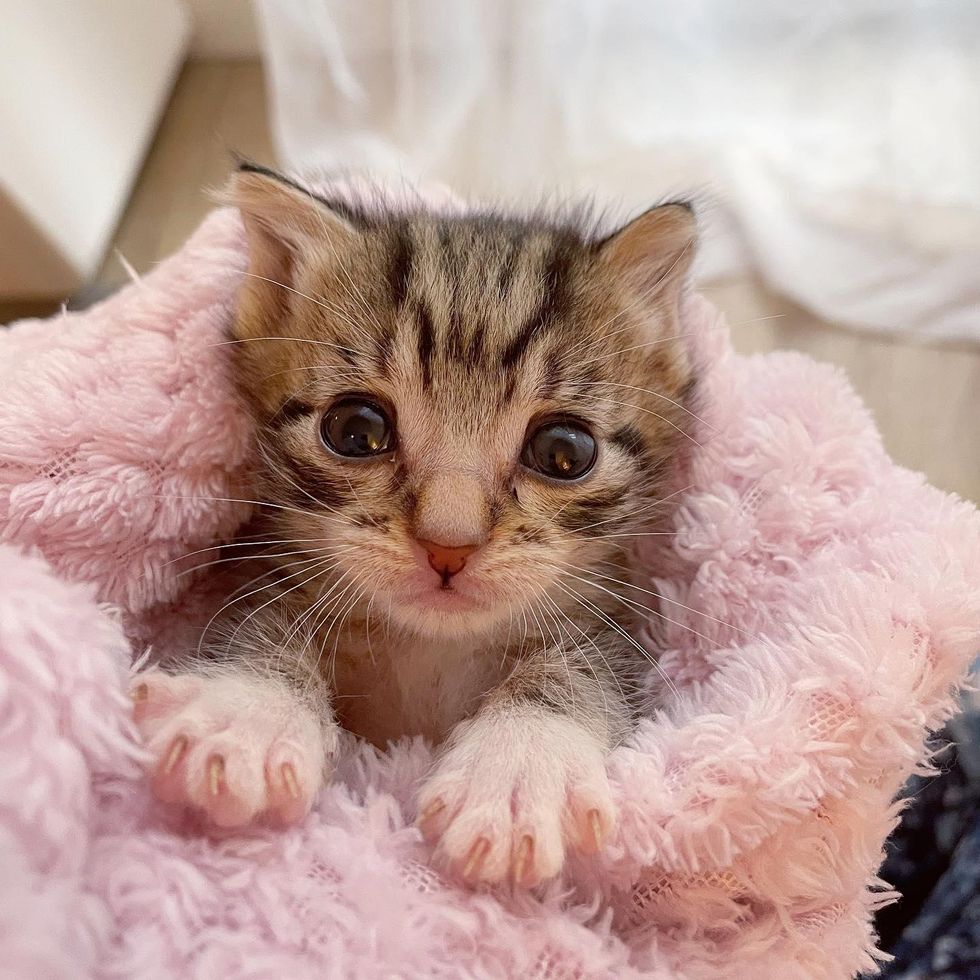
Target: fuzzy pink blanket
(753,808)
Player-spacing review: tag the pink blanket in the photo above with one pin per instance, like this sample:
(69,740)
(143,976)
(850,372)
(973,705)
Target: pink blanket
(753,808)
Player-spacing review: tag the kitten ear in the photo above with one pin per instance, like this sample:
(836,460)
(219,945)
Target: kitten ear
(654,252)
(283,224)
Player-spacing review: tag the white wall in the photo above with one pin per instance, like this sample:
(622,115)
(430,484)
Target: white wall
(222,29)
(83,88)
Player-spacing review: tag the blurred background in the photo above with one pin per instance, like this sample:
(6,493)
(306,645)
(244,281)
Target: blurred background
(833,149)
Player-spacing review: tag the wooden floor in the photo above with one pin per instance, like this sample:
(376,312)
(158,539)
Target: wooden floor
(926,399)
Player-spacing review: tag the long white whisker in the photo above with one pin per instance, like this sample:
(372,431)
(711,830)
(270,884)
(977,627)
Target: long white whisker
(645,510)
(645,411)
(630,603)
(663,598)
(600,615)
(312,299)
(241,500)
(558,611)
(656,394)
(260,556)
(318,570)
(220,546)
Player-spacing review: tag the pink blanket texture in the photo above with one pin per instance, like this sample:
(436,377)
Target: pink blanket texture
(819,607)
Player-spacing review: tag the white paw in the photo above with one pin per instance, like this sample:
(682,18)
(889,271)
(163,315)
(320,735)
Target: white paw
(234,748)
(511,795)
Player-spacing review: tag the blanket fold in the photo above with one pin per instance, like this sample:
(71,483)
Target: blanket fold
(814,612)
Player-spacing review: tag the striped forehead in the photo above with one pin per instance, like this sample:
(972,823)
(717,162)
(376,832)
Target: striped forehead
(478,297)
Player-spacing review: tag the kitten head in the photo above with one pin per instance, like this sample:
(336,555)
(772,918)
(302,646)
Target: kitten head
(465,415)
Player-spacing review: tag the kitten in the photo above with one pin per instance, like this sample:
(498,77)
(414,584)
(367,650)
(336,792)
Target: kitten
(463,423)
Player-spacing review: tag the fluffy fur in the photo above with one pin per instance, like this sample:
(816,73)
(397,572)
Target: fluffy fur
(752,808)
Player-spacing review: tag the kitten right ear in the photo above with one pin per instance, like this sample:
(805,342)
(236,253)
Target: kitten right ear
(654,252)
(283,223)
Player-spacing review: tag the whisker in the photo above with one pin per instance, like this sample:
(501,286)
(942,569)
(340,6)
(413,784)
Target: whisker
(558,611)
(644,296)
(642,511)
(227,605)
(602,617)
(292,340)
(633,534)
(645,411)
(663,598)
(220,546)
(632,604)
(304,617)
(555,645)
(317,302)
(280,471)
(657,394)
(242,500)
(260,556)
(759,319)
(627,350)
(330,369)
(337,622)
(317,571)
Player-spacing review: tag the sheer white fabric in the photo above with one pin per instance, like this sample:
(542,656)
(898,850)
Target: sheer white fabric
(836,145)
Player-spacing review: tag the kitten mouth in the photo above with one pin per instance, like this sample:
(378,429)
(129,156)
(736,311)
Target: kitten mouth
(441,595)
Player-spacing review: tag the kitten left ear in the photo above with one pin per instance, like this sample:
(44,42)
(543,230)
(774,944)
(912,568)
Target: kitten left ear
(654,252)
(283,223)
(282,213)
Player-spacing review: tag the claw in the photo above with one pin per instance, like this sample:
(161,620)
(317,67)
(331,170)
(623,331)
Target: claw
(476,857)
(177,749)
(290,781)
(595,826)
(216,773)
(433,809)
(522,862)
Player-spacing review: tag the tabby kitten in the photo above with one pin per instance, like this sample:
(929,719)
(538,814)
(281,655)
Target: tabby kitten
(463,424)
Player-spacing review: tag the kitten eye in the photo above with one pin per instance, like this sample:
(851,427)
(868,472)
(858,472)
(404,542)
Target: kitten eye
(356,427)
(561,450)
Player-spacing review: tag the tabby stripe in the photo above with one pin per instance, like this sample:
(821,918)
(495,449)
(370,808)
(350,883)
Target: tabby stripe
(552,379)
(549,311)
(454,338)
(328,493)
(291,410)
(400,268)
(588,510)
(426,341)
(475,354)
(507,269)
(384,348)
(629,440)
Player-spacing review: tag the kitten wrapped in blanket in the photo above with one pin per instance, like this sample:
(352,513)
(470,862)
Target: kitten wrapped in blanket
(465,423)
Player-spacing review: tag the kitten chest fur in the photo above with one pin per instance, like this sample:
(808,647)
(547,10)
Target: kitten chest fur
(412,686)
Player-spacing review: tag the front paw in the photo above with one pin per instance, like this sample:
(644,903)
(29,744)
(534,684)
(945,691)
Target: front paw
(512,794)
(234,748)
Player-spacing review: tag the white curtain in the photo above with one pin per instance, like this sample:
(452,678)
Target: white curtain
(835,146)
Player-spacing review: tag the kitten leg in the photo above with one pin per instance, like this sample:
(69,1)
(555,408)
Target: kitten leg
(525,779)
(238,738)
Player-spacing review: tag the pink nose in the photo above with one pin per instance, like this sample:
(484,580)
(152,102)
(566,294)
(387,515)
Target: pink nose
(446,559)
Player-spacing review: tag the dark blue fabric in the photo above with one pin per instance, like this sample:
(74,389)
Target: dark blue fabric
(933,859)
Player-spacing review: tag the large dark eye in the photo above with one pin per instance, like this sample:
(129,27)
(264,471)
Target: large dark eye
(562,450)
(357,427)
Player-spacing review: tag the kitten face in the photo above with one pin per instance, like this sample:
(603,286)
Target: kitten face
(514,393)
